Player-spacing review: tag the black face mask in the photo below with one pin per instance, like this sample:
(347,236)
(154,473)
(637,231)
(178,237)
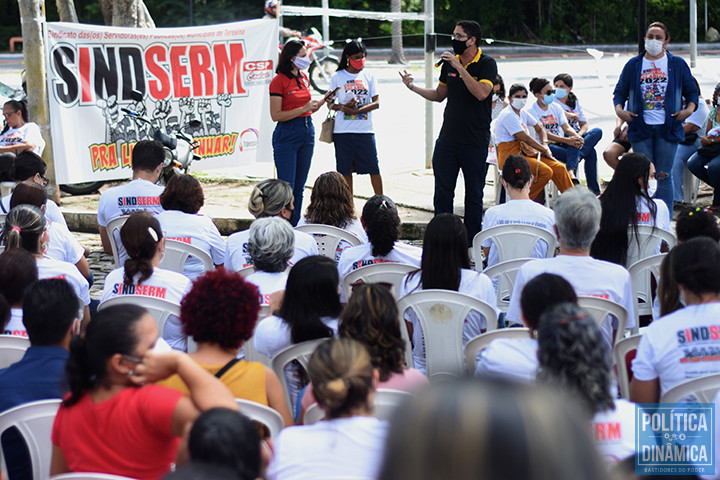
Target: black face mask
(459,46)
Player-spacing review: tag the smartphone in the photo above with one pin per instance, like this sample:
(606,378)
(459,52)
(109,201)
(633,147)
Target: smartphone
(333,93)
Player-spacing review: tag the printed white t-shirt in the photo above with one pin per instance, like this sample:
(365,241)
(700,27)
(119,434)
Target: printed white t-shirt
(15,325)
(361,255)
(699,117)
(136,196)
(165,284)
(680,346)
(472,283)
(352,447)
(614,431)
(510,358)
(354,86)
(524,212)
(62,245)
(51,268)
(552,119)
(52,211)
(355,227)
(237,256)
(575,124)
(268,283)
(587,276)
(653,83)
(510,123)
(28,133)
(196,230)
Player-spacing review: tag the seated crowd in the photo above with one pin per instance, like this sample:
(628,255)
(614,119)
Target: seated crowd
(140,396)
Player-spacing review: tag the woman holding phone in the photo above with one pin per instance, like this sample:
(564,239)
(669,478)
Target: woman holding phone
(355,97)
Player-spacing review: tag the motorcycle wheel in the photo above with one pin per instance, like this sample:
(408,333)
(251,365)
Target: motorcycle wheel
(81,188)
(320,73)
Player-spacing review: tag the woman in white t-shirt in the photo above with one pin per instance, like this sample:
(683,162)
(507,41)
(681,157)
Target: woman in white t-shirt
(19,271)
(26,227)
(143,240)
(19,134)
(353,135)
(628,202)
(516,179)
(308,309)
(269,198)
(350,441)
(331,203)
(181,200)
(382,225)
(564,143)
(515,358)
(575,358)
(512,137)
(684,344)
(694,127)
(446,265)
(270,246)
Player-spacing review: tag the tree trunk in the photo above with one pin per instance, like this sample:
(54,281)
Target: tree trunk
(32,15)
(107,10)
(66,10)
(125,13)
(146,18)
(397,55)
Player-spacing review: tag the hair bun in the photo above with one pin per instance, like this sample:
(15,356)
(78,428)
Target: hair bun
(337,387)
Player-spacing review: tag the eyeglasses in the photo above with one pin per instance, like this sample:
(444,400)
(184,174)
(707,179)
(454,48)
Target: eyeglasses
(7,115)
(132,358)
(459,36)
(44,180)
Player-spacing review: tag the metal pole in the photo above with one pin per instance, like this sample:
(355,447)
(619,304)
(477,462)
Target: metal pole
(191,12)
(326,21)
(705,24)
(642,24)
(429,64)
(693,33)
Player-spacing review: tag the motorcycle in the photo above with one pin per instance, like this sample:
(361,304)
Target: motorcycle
(179,151)
(323,65)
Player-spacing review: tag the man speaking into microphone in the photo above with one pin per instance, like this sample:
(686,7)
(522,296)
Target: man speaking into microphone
(466,80)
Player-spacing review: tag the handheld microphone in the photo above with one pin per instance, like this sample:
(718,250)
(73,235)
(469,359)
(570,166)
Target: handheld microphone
(440,62)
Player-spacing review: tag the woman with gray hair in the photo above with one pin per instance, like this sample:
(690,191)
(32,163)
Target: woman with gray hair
(270,246)
(269,198)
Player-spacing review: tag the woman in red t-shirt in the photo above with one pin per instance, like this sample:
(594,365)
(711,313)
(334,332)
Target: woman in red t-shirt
(291,106)
(111,422)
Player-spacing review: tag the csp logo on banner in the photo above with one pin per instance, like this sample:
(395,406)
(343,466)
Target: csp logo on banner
(675,438)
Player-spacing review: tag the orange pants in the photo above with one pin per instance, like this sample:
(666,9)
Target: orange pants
(542,171)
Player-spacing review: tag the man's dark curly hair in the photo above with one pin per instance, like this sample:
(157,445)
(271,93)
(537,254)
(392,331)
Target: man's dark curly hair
(221,308)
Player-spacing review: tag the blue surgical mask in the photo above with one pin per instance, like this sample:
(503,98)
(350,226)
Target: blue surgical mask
(548,99)
(560,93)
(301,62)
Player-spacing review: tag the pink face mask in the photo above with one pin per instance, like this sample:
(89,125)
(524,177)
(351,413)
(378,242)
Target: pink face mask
(357,64)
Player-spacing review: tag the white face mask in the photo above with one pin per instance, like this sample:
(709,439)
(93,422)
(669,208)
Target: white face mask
(301,62)
(495,97)
(519,103)
(654,47)
(652,187)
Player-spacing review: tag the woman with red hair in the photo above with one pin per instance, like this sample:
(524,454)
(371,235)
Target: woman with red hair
(219,313)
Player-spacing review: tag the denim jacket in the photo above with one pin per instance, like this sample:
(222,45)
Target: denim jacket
(680,85)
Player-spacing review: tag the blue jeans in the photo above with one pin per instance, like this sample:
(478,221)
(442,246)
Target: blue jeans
(682,154)
(293,143)
(662,153)
(448,159)
(571,157)
(710,175)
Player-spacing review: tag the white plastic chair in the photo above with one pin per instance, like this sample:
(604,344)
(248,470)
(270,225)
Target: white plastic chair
(159,308)
(505,272)
(386,401)
(113,226)
(481,342)
(442,314)
(622,348)
(12,349)
(646,244)
(246,271)
(262,414)
(88,476)
(691,186)
(391,273)
(640,276)
(300,352)
(702,388)
(513,241)
(599,308)
(34,422)
(251,354)
(328,237)
(177,253)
